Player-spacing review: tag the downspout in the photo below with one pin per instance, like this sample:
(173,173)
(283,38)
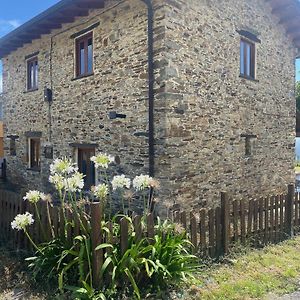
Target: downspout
(150,87)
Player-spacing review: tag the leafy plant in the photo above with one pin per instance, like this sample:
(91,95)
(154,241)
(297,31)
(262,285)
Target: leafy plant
(152,263)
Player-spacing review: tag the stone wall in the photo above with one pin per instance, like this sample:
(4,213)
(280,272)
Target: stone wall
(202,106)
(208,107)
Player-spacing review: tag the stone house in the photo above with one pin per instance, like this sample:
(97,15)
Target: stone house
(199,93)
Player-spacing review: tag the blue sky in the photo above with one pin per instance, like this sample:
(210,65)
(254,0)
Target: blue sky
(13,13)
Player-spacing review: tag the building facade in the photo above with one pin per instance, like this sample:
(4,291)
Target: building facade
(224,104)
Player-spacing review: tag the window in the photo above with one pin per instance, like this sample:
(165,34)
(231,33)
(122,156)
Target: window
(32,74)
(34,146)
(84,55)
(247,56)
(12,147)
(86,166)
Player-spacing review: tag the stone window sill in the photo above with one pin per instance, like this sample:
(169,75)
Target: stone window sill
(82,76)
(248,78)
(29,91)
(38,170)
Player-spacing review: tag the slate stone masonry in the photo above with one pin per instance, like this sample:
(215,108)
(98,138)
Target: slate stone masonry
(203,109)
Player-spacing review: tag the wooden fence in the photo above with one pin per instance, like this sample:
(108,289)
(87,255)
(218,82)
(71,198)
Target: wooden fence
(211,231)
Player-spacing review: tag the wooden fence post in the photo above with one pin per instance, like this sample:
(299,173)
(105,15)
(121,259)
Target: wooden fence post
(225,215)
(289,206)
(96,236)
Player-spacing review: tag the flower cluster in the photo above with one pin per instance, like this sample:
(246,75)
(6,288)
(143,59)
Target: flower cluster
(63,167)
(142,182)
(34,196)
(101,191)
(102,160)
(120,182)
(65,176)
(75,183)
(22,221)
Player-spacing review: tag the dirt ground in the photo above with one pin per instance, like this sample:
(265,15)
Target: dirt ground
(14,283)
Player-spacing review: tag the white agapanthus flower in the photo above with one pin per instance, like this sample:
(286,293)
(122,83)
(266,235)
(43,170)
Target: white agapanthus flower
(101,191)
(63,167)
(74,183)
(102,160)
(141,182)
(120,182)
(22,221)
(34,196)
(58,181)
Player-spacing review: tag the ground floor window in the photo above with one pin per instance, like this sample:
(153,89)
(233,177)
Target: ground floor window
(86,166)
(34,151)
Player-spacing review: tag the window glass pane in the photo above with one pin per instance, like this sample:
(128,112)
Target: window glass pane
(81,58)
(90,56)
(31,85)
(242,58)
(36,70)
(34,153)
(248,64)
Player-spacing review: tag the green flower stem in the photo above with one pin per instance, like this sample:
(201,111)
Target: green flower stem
(49,221)
(109,193)
(89,262)
(62,198)
(145,205)
(31,241)
(122,199)
(78,212)
(40,222)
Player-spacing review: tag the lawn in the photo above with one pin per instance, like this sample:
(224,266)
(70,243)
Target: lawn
(258,274)
(255,274)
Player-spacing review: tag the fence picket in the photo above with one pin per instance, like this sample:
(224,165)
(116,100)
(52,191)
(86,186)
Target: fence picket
(272,219)
(267,219)
(235,220)
(250,218)
(211,230)
(276,228)
(243,221)
(281,216)
(261,219)
(193,228)
(203,230)
(255,221)
(218,231)
(183,219)
(137,228)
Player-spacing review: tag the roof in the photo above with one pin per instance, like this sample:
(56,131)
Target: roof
(288,12)
(63,12)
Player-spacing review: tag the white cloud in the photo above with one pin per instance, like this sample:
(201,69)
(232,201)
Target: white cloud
(8,25)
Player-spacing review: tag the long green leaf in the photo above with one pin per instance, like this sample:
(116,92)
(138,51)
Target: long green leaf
(102,246)
(135,287)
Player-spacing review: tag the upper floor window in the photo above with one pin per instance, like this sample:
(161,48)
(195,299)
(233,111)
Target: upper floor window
(84,55)
(247,57)
(32,73)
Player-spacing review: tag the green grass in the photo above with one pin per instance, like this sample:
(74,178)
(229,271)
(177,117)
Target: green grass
(297,169)
(274,269)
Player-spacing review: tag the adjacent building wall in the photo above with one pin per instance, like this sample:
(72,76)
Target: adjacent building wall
(208,107)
